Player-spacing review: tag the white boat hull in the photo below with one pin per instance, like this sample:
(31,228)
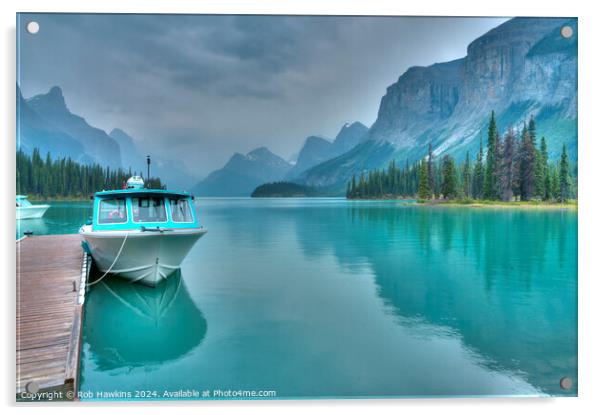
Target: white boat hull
(31,212)
(146,257)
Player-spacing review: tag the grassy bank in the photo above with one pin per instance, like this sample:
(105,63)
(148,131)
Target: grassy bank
(471,203)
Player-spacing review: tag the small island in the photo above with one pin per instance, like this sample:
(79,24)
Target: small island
(284,189)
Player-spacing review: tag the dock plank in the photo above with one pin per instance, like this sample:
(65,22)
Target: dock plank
(49,316)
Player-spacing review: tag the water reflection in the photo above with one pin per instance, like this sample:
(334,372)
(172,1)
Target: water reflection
(32,227)
(131,325)
(331,298)
(60,218)
(504,282)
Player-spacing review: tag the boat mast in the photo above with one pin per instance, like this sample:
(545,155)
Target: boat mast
(148,161)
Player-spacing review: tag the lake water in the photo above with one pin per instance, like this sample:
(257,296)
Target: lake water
(335,298)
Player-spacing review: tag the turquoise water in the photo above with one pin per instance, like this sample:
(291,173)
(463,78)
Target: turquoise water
(60,218)
(330,298)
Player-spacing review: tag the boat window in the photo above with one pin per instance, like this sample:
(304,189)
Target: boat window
(112,211)
(23,203)
(180,210)
(149,209)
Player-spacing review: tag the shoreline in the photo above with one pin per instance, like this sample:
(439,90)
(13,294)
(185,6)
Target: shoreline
(505,205)
(571,205)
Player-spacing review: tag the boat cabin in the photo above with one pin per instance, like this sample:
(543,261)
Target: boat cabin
(22,201)
(139,208)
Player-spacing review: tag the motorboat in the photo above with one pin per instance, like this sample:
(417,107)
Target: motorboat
(26,210)
(141,234)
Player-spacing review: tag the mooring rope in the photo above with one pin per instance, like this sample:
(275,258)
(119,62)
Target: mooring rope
(113,264)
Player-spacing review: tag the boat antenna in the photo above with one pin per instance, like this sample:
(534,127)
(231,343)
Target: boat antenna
(148,161)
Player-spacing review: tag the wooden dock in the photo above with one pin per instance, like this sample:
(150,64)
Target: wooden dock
(51,278)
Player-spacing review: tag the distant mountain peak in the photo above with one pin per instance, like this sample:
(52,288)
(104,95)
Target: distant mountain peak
(56,92)
(55,95)
(97,144)
(243,173)
(347,127)
(121,136)
(53,99)
(312,139)
(260,151)
(118,131)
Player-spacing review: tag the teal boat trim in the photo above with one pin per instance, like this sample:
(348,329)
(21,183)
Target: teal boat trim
(130,224)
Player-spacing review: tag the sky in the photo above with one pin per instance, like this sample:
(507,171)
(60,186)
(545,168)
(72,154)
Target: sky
(196,88)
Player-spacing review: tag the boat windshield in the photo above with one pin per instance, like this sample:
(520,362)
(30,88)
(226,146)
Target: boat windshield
(22,202)
(149,209)
(180,210)
(112,211)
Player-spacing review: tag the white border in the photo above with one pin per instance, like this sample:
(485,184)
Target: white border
(590,153)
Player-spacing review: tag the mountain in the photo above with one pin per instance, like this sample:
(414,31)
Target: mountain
(171,173)
(243,173)
(518,69)
(349,136)
(317,149)
(97,145)
(130,156)
(45,122)
(332,175)
(35,132)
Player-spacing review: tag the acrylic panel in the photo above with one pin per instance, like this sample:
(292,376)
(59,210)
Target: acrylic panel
(295,207)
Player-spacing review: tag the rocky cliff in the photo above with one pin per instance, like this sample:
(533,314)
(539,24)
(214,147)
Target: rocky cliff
(521,68)
(318,149)
(97,145)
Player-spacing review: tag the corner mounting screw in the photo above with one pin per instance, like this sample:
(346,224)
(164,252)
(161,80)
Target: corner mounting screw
(566,32)
(32,387)
(566,383)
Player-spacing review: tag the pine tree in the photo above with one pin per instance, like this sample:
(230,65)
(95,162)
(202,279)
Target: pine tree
(478,174)
(507,166)
(362,186)
(466,183)
(554,183)
(564,179)
(64,177)
(431,168)
(498,166)
(527,166)
(548,184)
(541,172)
(532,129)
(490,185)
(438,173)
(539,175)
(449,186)
(424,188)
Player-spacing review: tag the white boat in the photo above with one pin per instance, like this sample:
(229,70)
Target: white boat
(140,234)
(25,210)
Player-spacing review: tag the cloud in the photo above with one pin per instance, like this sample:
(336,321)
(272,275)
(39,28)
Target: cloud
(198,88)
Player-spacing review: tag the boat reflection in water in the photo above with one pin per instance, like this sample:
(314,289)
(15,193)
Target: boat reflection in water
(132,325)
